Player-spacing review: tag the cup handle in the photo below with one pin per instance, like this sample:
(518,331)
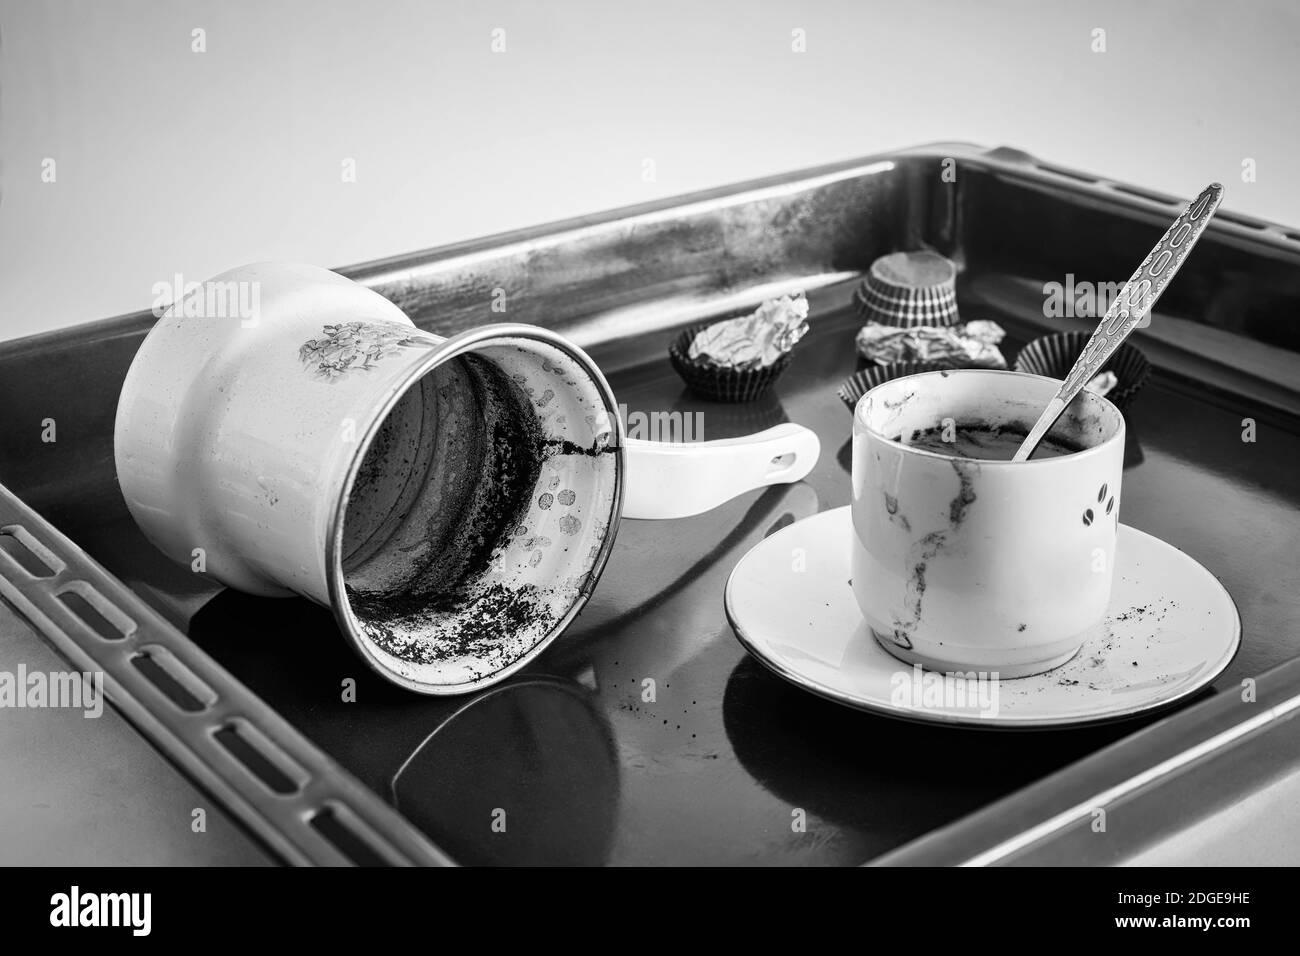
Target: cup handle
(680,479)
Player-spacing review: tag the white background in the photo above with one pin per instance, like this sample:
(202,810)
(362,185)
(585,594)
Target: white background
(170,161)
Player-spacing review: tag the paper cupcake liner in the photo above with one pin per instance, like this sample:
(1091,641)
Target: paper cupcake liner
(859,383)
(1054,355)
(715,382)
(909,289)
(925,307)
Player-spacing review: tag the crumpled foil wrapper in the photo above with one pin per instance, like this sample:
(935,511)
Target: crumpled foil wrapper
(969,345)
(757,339)
(1103,383)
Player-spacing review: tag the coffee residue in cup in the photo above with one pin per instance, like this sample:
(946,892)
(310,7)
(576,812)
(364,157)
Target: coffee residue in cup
(984,442)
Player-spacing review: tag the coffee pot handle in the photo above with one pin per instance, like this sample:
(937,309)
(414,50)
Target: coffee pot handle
(680,479)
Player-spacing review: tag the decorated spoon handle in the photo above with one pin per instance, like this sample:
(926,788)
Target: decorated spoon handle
(1130,308)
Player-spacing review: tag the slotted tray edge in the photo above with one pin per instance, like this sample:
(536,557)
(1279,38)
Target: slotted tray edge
(321,794)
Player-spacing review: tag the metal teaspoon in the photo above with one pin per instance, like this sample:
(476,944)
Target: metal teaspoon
(1129,308)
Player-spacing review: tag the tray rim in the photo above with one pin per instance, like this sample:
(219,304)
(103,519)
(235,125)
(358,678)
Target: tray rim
(384,273)
(376,273)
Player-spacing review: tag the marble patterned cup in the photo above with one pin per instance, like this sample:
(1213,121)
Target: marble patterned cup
(962,564)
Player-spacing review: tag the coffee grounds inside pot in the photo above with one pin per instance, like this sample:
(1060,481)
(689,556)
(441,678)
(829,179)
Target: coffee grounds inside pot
(483,616)
(424,579)
(417,592)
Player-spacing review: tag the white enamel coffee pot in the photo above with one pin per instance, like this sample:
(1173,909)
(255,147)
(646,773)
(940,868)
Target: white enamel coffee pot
(453,500)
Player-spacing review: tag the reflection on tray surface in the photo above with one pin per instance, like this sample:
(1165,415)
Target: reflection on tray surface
(526,774)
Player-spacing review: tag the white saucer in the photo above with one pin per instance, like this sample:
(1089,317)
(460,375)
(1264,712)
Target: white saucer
(1171,629)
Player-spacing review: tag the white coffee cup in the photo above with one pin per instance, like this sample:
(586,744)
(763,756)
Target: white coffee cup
(967,564)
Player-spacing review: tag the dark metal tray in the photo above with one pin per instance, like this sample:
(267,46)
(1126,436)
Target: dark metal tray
(712,770)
